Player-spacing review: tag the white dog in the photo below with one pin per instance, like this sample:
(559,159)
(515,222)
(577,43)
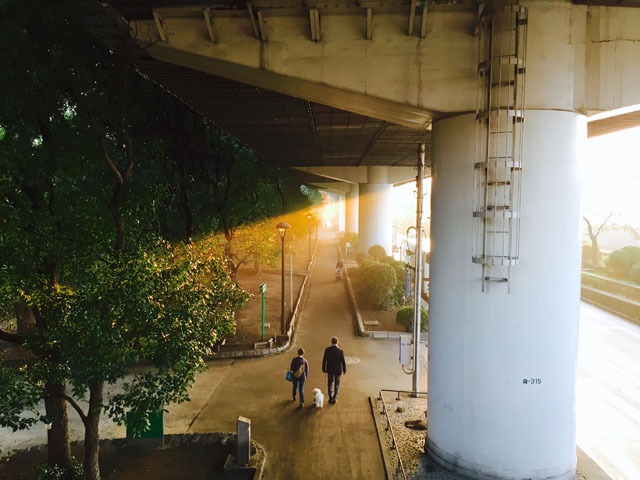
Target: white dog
(318,397)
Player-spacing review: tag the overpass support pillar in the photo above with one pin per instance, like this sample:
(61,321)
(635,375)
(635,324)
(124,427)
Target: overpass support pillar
(375,211)
(351,207)
(503,366)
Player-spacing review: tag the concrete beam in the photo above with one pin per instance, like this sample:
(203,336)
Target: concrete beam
(589,52)
(362,104)
(363,174)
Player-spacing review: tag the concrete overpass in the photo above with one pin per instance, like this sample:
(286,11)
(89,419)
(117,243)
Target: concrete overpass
(346,90)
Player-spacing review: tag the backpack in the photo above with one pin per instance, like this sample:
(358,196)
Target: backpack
(299,372)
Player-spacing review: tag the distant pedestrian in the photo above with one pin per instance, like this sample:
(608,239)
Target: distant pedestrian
(334,365)
(300,370)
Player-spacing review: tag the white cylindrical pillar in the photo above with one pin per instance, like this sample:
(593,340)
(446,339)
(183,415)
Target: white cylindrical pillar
(341,211)
(487,418)
(374,216)
(351,208)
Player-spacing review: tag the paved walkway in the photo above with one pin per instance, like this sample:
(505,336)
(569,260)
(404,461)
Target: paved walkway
(338,441)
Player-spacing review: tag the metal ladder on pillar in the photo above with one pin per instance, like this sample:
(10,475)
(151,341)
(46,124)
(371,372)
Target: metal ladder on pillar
(499,141)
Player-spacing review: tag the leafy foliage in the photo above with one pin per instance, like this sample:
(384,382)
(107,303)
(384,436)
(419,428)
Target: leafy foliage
(377,282)
(99,170)
(404,317)
(621,261)
(56,472)
(19,399)
(378,253)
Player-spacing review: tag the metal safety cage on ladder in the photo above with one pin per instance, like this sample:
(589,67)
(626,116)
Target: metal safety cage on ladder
(499,142)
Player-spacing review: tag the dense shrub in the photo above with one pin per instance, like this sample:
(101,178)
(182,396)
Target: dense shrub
(404,317)
(361,258)
(56,472)
(399,269)
(620,262)
(377,282)
(634,274)
(586,255)
(378,253)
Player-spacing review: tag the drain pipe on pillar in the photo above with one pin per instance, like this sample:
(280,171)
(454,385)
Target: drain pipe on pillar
(417,304)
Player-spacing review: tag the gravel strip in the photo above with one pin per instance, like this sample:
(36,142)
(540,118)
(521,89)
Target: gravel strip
(417,465)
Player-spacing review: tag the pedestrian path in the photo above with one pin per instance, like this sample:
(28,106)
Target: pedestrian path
(339,441)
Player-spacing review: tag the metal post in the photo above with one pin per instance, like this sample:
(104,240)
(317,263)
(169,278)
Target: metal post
(263,289)
(282,296)
(291,282)
(417,304)
(309,223)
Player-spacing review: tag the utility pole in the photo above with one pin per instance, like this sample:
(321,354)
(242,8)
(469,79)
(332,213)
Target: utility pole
(417,304)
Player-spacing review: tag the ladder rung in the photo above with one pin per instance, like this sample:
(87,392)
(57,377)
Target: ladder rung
(511,112)
(493,213)
(495,260)
(496,279)
(506,83)
(499,183)
(502,132)
(484,165)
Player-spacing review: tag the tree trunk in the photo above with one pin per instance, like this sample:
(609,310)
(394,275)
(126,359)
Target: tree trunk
(91,433)
(595,252)
(25,318)
(58,451)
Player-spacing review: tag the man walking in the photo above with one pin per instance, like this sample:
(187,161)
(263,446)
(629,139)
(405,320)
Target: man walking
(334,366)
(300,370)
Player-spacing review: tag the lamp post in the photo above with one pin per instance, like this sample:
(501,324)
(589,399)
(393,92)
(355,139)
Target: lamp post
(282,231)
(309,235)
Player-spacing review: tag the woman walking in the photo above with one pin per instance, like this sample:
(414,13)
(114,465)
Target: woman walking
(300,370)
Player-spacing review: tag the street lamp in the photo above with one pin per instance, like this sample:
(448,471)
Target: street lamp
(282,231)
(309,235)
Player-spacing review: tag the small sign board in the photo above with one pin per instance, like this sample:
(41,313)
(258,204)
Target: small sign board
(263,287)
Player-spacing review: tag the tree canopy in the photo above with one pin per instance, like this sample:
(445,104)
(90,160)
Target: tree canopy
(109,185)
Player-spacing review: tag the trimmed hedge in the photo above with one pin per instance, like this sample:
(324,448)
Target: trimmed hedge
(404,317)
(377,282)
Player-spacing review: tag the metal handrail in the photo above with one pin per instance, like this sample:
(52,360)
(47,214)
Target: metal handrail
(393,436)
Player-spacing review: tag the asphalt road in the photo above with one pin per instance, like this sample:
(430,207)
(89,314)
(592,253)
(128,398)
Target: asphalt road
(608,392)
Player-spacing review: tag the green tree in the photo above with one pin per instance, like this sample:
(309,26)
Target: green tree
(594,230)
(83,177)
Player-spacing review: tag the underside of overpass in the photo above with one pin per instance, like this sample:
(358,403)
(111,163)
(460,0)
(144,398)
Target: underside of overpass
(345,92)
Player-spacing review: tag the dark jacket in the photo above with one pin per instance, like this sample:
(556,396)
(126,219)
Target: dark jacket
(333,361)
(295,365)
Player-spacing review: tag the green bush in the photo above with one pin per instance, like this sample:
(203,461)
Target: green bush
(361,258)
(634,274)
(586,254)
(378,253)
(377,282)
(56,472)
(620,262)
(399,269)
(404,317)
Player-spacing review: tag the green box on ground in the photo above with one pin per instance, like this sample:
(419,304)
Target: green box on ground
(153,436)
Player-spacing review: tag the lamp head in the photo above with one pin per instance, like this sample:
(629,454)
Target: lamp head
(282,228)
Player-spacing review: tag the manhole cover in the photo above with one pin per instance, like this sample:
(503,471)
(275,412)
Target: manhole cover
(351,360)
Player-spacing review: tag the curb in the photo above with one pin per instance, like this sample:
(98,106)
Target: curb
(359,324)
(291,331)
(380,434)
